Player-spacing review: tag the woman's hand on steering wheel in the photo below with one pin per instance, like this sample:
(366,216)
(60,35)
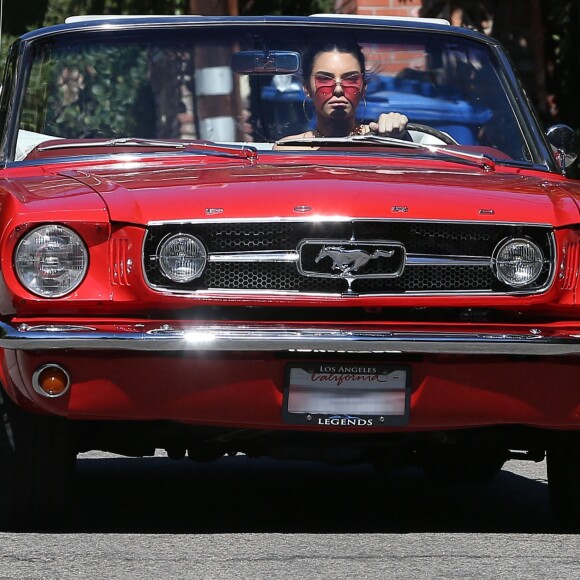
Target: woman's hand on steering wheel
(389,125)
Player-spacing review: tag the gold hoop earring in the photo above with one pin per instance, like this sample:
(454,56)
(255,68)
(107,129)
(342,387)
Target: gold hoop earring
(308,119)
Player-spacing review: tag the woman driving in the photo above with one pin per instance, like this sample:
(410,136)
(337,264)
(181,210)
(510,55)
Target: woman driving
(334,78)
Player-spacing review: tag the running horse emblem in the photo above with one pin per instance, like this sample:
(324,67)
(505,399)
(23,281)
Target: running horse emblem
(348,261)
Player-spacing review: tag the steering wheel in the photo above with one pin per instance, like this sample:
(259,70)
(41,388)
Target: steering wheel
(447,139)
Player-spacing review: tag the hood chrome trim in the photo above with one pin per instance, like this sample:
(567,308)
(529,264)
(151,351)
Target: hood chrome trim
(340,219)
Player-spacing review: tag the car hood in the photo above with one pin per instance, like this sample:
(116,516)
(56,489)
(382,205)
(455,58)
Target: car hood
(283,191)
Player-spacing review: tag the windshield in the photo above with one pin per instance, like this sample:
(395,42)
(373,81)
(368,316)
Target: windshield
(160,84)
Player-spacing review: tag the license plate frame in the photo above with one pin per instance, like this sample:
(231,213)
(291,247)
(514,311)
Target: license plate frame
(342,394)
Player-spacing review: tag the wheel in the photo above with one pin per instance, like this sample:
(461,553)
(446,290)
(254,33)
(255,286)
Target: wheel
(447,139)
(563,467)
(36,466)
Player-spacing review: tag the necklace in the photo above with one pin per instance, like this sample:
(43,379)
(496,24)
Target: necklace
(358,130)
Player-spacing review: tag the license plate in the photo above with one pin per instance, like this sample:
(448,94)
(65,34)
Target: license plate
(347,395)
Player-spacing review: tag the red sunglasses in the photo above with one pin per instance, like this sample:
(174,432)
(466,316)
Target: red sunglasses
(351,84)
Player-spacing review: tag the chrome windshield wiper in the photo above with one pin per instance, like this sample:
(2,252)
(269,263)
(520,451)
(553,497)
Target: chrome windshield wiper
(204,147)
(125,142)
(349,140)
(487,162)
(439,151)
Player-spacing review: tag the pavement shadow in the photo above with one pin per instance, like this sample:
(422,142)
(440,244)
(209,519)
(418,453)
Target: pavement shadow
(243,495)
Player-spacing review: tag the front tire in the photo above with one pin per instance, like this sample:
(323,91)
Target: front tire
(36,468)
(563,467)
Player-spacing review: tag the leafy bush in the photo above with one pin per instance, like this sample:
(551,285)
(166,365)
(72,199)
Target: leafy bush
(88,93)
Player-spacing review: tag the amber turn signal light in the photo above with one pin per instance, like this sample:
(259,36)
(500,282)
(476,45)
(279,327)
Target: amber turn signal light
(51,380)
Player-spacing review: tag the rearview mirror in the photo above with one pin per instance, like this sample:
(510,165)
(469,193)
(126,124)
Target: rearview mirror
(257,62)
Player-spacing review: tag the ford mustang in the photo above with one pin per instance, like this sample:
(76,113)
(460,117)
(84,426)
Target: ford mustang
(189,265)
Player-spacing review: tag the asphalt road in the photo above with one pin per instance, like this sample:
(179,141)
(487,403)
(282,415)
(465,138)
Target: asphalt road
(244,518)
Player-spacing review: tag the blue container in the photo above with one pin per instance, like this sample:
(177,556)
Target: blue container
(454,116)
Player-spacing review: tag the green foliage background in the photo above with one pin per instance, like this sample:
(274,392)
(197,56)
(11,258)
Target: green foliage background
(17,21)
(564,50)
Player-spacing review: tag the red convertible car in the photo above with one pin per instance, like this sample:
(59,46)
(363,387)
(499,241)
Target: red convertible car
(338,239)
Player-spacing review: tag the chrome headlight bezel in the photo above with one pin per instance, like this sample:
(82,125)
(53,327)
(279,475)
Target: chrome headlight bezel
(192,255)
(513,256)
(51,260)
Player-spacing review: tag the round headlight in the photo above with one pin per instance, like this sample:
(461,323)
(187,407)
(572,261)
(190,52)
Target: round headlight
(51,261)
(182,258)
(518,262)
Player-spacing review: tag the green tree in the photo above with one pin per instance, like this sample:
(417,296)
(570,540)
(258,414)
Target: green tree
(44,13)
(58,10)
(563,56)
(16,20)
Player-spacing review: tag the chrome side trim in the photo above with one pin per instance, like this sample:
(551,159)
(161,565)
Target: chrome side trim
(244,257)
(433,260)
(292,256)
(227,338)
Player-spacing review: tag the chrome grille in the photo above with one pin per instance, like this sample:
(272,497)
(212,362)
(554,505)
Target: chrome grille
(425,239)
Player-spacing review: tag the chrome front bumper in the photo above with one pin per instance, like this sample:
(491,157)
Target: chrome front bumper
(229,338)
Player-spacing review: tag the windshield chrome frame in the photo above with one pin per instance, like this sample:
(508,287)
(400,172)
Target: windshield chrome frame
(20,61)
